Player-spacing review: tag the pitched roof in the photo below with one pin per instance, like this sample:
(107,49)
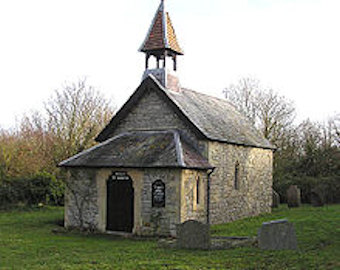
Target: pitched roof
(161,34)
(218,119)
(142,149)
(209,117)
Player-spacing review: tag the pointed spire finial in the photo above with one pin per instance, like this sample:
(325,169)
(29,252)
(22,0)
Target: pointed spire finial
(161,41)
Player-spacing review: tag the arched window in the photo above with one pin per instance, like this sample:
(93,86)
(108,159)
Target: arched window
(158,194)
(198,184)
(237,176)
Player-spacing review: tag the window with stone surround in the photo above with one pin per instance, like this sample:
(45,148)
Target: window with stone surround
(237,176)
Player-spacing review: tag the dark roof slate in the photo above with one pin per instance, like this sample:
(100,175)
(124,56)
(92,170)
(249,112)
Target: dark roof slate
(141,149)
(217,118)
(209,117)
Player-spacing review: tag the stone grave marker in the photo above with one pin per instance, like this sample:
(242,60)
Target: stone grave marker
(193,235)
(317,197)
(293,196)
(276,199)
(277,235)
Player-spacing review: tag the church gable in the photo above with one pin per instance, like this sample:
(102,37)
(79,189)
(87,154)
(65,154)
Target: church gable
(149,108)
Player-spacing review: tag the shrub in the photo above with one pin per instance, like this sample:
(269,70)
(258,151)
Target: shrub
(41,188)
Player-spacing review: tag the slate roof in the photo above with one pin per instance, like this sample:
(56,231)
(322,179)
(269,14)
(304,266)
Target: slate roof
(142,149)
(161,34)
(208,117)
(217,118)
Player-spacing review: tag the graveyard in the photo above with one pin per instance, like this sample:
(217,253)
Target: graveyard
(34,239)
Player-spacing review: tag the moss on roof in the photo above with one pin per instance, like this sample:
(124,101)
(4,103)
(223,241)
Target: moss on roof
(142,149)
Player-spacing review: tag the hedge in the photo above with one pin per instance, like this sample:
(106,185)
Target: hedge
(42,188)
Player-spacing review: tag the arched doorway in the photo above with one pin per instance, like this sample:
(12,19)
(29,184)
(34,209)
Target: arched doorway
(120,198)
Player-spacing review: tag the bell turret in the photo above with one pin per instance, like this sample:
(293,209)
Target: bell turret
(161,43)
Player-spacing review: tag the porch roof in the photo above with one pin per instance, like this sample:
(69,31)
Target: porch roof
(141,149)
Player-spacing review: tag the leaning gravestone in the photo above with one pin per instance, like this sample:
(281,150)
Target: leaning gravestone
(276,199)
(317,197)
(293,196)
(277,235)
(193,235)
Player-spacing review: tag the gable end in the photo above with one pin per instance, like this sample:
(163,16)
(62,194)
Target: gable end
(148,85)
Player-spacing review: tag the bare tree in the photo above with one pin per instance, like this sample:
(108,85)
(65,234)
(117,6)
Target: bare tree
(76,114)
(243,96)
(335,123)
(266,109)
(274,114)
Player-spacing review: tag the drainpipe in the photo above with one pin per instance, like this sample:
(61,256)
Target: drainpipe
(208,194)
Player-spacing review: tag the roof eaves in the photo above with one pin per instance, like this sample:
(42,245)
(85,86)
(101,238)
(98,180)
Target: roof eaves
(139,167)
(102,136)
(243,144)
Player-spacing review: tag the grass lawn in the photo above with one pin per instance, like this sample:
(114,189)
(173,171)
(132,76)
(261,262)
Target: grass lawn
(26,242)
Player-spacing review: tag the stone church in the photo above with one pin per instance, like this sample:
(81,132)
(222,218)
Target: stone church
(170,154)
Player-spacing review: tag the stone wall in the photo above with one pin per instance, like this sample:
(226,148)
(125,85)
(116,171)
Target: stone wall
(86,200)
(254,193)
(153,113)
(190,209)
(160,220)
(81,208)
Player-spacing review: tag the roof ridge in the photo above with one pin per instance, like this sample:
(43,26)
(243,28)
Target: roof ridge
(207,95)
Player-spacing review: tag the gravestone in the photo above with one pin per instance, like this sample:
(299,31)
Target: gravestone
(317,197)
(276,199)
(293,196)
(193,235)
(277,235)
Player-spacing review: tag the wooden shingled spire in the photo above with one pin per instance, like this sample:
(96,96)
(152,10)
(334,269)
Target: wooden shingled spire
(161,41)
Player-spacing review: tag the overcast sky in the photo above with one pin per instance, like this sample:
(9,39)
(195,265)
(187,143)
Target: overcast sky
(292,46)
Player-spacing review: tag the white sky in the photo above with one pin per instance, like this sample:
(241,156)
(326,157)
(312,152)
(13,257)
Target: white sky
(292,46)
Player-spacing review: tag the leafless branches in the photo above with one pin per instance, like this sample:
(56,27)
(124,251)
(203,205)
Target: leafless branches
(270,112)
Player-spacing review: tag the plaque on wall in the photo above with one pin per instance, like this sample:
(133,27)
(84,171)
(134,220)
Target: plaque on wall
(158,194)
(120,176)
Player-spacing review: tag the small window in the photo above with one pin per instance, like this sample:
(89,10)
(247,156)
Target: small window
(198,184)
(158,194)
(237,176)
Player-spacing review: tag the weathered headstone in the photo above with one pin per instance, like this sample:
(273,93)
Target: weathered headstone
(193,235)
(293,196)
(276,199)
(317,197)
(277,235)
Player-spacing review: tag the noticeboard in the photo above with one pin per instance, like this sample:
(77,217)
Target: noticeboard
(158,194)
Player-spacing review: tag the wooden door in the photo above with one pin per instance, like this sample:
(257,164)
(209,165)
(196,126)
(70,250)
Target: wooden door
(120,198)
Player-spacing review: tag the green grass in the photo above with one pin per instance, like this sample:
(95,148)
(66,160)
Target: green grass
(26,242)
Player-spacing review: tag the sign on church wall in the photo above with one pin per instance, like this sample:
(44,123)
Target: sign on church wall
(158,194)
(120,176)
